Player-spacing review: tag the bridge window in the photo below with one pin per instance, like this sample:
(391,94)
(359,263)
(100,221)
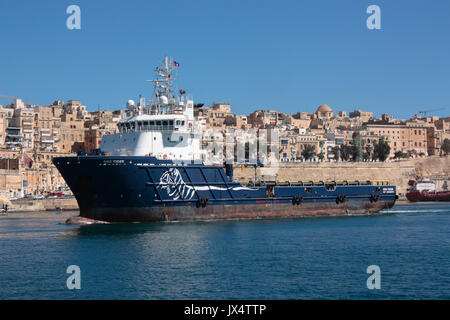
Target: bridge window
(158,123)
(164,123)
(152,123)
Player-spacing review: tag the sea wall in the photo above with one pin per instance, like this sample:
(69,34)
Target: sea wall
(44,205)
(397,172)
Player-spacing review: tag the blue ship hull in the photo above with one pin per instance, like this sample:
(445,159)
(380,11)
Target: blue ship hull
(126,189)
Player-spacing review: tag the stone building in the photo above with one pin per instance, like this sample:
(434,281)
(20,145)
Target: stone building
(324,112)
(406,136)
(263,119)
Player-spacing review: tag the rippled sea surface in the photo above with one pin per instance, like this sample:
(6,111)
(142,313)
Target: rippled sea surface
(319,258)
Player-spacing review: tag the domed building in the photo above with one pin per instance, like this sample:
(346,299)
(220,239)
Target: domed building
(324,111)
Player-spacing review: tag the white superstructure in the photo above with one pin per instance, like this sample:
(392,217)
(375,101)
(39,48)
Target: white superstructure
(425,185)
(164,128)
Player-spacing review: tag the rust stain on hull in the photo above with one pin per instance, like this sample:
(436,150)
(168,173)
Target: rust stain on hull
(240,211)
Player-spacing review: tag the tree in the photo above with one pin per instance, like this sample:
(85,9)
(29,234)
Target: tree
(321,156)
(366,156)
(346,151)
(381,150)
(367,153)
(355,152)
(446,146)
(308,152)
(336,152)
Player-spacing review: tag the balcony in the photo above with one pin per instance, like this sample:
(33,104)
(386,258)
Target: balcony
(27,129)
(13,134)
(47,140)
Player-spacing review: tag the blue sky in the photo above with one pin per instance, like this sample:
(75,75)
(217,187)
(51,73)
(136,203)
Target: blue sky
(285,55)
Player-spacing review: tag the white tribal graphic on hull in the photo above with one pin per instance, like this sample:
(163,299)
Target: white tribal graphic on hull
(172,181)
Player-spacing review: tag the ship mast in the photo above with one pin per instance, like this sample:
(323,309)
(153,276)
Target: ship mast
(163,86)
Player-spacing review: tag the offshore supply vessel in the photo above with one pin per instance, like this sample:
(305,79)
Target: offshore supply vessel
(154,169)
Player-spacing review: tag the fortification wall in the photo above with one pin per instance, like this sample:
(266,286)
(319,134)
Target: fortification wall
(397,172)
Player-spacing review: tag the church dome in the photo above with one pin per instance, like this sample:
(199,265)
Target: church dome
(324,108)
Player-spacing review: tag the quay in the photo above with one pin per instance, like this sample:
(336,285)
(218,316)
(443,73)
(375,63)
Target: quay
(28,205)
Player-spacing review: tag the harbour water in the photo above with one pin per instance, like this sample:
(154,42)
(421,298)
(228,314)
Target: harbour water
(317,258)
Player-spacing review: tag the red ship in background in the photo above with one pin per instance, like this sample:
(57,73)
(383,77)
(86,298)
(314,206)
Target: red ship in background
(425,190)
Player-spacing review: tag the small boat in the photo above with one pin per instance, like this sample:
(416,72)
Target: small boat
(4,203)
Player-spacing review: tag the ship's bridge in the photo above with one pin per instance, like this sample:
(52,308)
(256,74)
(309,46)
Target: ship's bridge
(164,122)
(165,128)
